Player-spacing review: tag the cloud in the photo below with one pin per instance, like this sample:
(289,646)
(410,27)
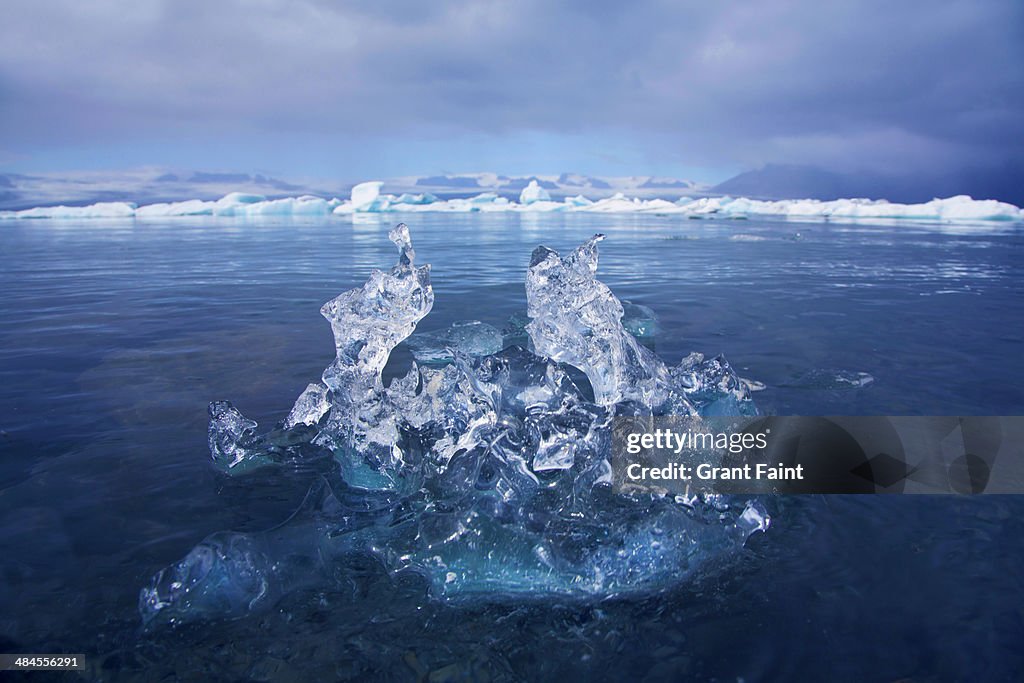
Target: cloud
(870,84)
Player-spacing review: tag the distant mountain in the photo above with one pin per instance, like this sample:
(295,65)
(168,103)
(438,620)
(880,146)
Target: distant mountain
(653,185)
(666,184)
(477,181)
(780,181)
(234,179)
(520,183)
(582,181)
(143,186)
(7,191)
(455,182)
(777,181)
(565,184)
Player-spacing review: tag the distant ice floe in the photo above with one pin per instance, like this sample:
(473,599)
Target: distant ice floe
(366,198)
(99,210)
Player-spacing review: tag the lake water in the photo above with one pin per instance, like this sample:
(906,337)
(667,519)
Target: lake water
(116,335)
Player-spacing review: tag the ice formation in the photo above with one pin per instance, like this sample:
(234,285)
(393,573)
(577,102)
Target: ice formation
(533,193)
(485,470)
(471,338)
(364,195)
(639,320)
(98,210)
(575,319)
(368,323)
(367,198)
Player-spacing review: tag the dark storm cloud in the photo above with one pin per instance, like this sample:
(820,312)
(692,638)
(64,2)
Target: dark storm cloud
(874,84)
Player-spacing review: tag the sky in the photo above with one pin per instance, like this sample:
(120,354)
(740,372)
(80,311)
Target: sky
(352,90)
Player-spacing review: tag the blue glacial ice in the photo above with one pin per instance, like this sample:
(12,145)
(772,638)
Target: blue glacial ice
(640,320)
(486,471)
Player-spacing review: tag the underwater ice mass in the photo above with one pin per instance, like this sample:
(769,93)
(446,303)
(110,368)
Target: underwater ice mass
(366,198)
(484,470)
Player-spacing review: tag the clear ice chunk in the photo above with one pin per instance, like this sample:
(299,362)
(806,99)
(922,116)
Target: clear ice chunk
(471,338)
(370,321)
(830,379)
(712,386)
(311,405)
(232,436)
(624,546)
(236,448)
(227,575)
(575,319)
(486,475)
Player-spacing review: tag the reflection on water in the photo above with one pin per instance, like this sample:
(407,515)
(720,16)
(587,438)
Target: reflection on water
(116,335)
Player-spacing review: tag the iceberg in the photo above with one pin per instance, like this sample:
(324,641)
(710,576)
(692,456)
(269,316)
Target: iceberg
(485,472)
(98,210)
(953,209)
(192,207)
(365,194)
(617,203)
(367,198)
(415,199)
(305,205)
(242,205)
(543,206)
(533,193)
(235,204)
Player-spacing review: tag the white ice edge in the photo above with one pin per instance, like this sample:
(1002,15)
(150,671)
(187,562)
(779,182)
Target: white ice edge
(366,198)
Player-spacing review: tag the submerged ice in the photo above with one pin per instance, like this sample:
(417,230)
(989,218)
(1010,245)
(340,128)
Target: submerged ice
(485,470)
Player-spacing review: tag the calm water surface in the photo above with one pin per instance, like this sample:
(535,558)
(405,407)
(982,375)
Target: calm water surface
(115,336)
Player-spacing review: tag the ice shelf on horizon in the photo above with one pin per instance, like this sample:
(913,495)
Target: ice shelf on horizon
(366,198)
